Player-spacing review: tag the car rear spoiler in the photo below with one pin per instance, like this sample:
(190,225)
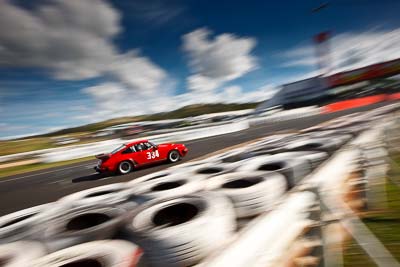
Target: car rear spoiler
(103,156)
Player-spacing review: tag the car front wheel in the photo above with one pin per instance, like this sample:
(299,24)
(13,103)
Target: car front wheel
(125,167)
(174,156)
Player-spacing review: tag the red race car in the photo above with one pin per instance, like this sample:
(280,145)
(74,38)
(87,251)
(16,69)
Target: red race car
(127,157)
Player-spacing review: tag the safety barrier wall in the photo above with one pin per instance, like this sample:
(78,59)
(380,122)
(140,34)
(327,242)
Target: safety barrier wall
(286,115)
(81,151)
(353,103)
(281,227)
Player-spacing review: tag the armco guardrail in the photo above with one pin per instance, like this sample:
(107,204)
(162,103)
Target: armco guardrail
(81,151)
(286,115)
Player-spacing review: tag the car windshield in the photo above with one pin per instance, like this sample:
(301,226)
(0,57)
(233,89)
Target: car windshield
(117,149)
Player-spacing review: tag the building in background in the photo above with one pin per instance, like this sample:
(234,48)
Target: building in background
(297,94)
(380,78)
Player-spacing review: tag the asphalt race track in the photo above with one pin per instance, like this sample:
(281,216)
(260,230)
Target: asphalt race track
(39,187)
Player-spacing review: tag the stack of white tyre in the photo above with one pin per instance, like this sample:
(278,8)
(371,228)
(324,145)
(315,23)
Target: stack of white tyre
(105,253)
(107,194)
(293,168)
(21,253)
(80,225)
(20,225)
(169,186)
(251,193)
(182,231)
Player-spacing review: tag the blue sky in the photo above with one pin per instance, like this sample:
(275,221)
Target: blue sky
(65,63)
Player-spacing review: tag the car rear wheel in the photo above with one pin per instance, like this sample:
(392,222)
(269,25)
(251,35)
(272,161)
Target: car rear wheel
(125,167)
(174,156)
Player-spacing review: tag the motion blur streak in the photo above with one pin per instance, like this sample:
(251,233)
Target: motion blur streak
(199,133)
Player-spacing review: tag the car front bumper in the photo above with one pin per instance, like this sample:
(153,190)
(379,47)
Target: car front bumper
(184,151)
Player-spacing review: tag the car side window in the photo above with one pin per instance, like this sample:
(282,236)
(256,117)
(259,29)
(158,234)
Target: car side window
(140,147)
(147,145)
(128,150)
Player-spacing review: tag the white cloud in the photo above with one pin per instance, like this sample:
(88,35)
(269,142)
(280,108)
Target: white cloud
(230,94)
(350,50)
(108,96)
(198,82)
(115,100)
(216,61)
(138,73)
(157,12)
(234,94)
(73,40)
(70,38)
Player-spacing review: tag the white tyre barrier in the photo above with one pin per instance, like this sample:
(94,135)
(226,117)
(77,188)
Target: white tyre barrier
(272,147)
(231,156)
(314,157)
(169,186)
(272,139)
(340,135)
(294,169)
(152,176)
(182,231)
(211,169)
(328,145)
(189,164)
(234,158)
(105,253)
(81,225)
(250,192)
(131,200)
(21,253)
(261,240)
(275,142)
(101,195)
(18,225)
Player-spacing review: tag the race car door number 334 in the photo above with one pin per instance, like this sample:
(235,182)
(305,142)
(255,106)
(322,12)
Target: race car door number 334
(153,154)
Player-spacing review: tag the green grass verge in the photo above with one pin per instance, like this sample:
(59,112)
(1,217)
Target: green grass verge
(385,225)
(355,256)
(38,166)
(18,146)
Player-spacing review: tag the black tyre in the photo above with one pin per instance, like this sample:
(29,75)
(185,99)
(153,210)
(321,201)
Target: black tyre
(125,167)
(174,156)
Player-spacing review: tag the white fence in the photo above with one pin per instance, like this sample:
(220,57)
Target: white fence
(286,115)
(85,150)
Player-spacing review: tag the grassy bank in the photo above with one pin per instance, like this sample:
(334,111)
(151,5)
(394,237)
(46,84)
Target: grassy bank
(385,225)
(39,166)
